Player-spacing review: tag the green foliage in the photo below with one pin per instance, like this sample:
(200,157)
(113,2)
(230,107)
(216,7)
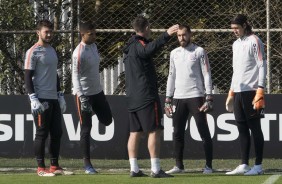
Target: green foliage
(13,46)
(19,15)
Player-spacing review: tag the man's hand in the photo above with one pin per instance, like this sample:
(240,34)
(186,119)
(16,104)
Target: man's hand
(207,106)
(62,101)
(36,107)
(172,29)
(230,101)
(85,105)
(168,107)
(258,102)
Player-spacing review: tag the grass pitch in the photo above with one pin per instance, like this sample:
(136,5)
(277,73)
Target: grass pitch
(23,171)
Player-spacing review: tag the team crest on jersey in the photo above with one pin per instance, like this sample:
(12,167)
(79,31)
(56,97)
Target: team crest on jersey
(192,57)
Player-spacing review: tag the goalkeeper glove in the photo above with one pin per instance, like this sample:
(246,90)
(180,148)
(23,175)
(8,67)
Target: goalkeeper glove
(258,102)
(230,101)
(62,101)
(36,106)
(168,107)
(207,106)
(85,105)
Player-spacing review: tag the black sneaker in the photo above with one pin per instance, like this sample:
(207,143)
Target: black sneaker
(160,174)
(139,174)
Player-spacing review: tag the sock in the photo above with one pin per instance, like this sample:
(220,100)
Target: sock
(179,164)
(54,162)
(87,162)
(209,164)
(258,166)
(133,165)
(40,162)
(155,165)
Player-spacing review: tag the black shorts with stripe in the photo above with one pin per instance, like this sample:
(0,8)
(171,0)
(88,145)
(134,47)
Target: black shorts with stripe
(148,119)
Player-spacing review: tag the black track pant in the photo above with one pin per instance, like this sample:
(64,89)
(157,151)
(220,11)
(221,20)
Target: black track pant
(102,109)
(248,119)
(49,122)
(180,117)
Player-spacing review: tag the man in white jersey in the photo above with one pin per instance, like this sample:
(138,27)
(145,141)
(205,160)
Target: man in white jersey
(87,89)
(46,98)
(189,91)
(246,94)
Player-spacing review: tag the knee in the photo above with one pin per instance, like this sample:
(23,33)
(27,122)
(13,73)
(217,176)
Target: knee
(40,135)
(56,135)
(242,127)
(107,121)
(178,133)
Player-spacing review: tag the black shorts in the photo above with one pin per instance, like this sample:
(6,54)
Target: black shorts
(148,119)
(243,108)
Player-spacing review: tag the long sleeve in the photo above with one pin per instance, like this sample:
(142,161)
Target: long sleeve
(232,79)
(171,78)
(146,50)
(76,72)
(29,66)
(206,71)
(259,56)
(28,81)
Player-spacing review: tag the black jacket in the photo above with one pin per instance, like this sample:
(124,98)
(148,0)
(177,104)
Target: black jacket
(140,73)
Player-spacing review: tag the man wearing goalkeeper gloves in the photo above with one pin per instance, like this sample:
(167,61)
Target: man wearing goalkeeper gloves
(47,100)
(87,89)
(246,95)
(189,90)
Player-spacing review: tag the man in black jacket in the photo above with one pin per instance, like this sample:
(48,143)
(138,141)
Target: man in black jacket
(145,113)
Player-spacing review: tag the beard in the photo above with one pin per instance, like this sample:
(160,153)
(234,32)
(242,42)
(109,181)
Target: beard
(46,40)
(184,43)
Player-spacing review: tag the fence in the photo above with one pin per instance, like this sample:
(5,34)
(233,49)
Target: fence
(210,21)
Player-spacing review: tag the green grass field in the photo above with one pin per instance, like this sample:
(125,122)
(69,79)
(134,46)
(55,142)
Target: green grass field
(117,171)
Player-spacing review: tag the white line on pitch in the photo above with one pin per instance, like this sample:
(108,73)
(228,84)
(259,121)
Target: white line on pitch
(272,179)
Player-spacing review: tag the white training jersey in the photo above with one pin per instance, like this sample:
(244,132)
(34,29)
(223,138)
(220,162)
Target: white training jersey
(189,73)
(44,62)
(85,70)
(249,64)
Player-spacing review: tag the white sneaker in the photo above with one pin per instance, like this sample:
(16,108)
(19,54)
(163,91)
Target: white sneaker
(241,169)
(174,170)
(256,170)
(207,170)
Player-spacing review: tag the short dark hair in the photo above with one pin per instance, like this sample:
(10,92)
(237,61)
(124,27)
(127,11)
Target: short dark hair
(241,19)
(44,23)
(140,23)
(86,26)
(181,26)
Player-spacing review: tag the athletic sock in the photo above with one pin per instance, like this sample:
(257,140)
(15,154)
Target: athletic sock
(209,164)
(133,165)
(179,164)
(54,162)
(155,165)
(40,162)
(87,162)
